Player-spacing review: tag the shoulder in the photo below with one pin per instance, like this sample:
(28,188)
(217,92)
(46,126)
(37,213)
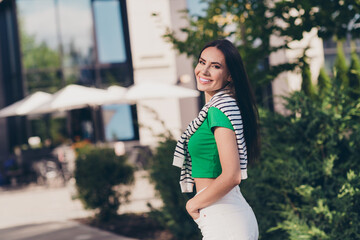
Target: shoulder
(217,118)
(224,101)
(215,113)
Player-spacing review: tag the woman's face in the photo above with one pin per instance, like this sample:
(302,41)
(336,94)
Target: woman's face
(211,71)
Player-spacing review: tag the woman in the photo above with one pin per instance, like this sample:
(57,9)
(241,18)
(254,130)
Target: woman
(214,150)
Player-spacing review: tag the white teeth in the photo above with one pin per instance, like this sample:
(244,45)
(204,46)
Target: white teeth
(204,80)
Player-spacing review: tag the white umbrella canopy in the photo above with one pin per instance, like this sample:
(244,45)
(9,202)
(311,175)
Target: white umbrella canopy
(116,94)
(26,105)
(73,97)
(147,91)
(117,90)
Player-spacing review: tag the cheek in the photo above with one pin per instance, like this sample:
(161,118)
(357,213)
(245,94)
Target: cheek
(221,78)
(218,75)
(197,69)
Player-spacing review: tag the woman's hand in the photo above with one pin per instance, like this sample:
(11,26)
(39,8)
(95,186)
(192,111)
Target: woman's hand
(192,209)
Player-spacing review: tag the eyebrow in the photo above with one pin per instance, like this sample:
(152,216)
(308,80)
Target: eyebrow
(211,62)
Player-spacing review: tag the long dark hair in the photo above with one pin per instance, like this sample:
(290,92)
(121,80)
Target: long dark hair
(244,95)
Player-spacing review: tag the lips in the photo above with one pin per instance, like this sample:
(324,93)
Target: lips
(204,80)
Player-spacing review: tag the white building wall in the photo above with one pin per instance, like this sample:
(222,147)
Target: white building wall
(288,82)
(154,60)
(184,68)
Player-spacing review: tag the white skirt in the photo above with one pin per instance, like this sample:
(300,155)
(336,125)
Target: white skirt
(230,218)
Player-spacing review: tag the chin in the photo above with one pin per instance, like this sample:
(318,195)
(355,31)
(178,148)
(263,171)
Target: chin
(200,87)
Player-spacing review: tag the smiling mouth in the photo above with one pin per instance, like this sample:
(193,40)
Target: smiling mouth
(203,80)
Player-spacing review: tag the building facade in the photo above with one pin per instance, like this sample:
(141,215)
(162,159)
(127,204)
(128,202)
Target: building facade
(46,45)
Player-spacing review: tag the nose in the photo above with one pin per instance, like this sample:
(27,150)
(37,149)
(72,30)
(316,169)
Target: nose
(205,70)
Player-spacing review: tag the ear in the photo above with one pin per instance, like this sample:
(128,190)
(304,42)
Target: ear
(229,78)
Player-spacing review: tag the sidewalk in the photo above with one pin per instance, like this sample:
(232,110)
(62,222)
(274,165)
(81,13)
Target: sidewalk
(67,230)
(37,204)
(37,212)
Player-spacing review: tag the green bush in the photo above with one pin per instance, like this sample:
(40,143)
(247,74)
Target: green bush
(306,85)
(165,176)
(306,185)
(324,83)
(354,75)
(341,67)
(98,172)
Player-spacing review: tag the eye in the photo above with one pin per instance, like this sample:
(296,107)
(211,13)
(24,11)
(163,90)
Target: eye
(216,66)
(201,62)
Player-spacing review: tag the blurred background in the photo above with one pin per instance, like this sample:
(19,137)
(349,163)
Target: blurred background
(302,58)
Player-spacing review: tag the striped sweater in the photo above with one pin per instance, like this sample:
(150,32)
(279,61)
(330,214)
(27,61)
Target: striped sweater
(227,104)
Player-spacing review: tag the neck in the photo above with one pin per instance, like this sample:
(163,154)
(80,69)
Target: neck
(209,95)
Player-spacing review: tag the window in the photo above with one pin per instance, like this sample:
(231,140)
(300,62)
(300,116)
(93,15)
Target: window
(109,33)
(75,23)
(118,122)
(59,48)
(78,42)
(41,57)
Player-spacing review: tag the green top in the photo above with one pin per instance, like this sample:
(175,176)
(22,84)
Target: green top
(202,145)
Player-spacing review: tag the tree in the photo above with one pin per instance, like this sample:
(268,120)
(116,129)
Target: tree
(41,63)
(251,23)
(306,85)
(324,83)
(309,173)
(237,20)
(354,76)
(340,67)
(332,18)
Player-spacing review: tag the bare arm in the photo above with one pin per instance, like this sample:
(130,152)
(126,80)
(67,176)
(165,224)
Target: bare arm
(230,177)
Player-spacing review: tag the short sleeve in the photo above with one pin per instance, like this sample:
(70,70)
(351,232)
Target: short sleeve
(217,118)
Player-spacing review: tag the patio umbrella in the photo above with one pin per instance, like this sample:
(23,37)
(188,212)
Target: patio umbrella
(26,105)
(149,91)
(73,97)
(116,94)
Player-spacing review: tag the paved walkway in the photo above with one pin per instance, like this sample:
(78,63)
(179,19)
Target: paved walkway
(67,230)
(45,213)
(35,204)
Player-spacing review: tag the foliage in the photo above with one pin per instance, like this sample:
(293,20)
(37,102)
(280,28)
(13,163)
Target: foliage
(307,184)
(239,21)
(41,63)
(36,54)
(173,214)
(49,128)
(58,130)
(341,67)
(332,18)
(324,83)
(306,85)
(308,176)
(354,75)
(250,24)
(98,172)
